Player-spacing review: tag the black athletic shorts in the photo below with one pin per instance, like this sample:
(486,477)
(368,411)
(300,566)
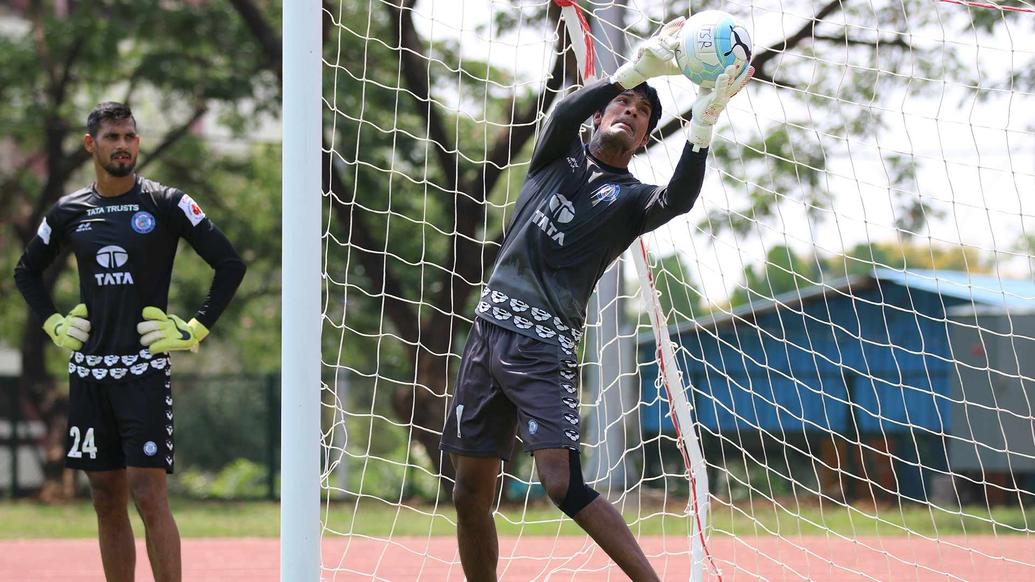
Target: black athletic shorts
(507,379)
(112,425)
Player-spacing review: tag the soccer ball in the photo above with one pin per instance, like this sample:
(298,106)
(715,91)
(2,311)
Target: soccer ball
(709,42)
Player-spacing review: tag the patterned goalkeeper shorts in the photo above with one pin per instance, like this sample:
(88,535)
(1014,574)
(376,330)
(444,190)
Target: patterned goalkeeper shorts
(508,381)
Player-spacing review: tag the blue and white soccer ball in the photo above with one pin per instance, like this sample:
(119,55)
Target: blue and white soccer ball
(709,42)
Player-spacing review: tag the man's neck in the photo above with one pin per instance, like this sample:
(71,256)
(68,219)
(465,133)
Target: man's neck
(110,186)
(610,153)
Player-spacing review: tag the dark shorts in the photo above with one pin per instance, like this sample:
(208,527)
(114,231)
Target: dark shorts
(508,381)
(112,425)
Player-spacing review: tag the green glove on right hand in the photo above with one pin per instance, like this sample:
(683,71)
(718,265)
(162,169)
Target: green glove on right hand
(70,331)
(165,332)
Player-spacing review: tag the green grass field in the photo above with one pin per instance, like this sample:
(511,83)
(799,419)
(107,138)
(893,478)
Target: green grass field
(26,520)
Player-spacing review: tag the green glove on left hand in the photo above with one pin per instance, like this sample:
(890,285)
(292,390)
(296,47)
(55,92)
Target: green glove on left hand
(70,331)
(161,332)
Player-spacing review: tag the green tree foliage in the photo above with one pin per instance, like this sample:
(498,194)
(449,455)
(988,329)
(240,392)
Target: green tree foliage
(787,271)
(427,144)
(680,292)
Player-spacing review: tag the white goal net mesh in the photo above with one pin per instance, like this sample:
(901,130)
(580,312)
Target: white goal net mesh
(851,301)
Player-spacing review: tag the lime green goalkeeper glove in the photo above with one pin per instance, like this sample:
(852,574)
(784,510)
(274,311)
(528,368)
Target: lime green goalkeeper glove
(165,333)
(70,331)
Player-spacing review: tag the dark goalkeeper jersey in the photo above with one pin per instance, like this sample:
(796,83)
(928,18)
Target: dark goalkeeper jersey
(124,247)
(574,216)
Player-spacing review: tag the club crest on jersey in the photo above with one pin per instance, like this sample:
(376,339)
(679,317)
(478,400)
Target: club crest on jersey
(191,210)
(142,222)
(607,193)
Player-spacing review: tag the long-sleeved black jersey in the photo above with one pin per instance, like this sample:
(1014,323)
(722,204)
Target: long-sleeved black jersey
(574,216)
(124,248)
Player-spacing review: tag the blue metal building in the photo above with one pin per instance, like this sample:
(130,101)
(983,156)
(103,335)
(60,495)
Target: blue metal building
(866,355)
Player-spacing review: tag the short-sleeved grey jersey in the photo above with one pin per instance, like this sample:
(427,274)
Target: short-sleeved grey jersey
(574,216)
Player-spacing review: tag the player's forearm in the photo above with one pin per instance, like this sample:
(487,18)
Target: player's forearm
(567,117)
(228,276)
(32,287)
(213,246)
(682,190)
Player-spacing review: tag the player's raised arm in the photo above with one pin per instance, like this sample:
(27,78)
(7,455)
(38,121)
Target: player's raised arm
(683,189)
(652,59)
(162,332)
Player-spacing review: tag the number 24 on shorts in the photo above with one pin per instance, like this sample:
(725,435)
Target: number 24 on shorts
(88,446)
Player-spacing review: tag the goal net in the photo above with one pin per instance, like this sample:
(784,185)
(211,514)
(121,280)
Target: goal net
(823,371)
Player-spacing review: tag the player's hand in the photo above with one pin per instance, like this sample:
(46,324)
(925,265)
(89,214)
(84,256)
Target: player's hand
(711,102)
(161,332)
(653,58)
(69,331)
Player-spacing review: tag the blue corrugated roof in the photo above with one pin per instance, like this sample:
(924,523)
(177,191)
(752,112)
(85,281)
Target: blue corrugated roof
(983,289)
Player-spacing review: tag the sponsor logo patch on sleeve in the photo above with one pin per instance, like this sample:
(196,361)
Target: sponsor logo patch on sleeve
(44,232)
(190,208)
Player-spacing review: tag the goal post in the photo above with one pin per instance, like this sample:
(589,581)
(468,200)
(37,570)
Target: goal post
(300,304)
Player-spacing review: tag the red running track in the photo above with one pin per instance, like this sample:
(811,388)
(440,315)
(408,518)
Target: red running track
(1004,559)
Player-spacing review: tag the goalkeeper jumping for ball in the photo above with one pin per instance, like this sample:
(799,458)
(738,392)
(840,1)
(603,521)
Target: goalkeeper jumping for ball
(578,210)
(123,230)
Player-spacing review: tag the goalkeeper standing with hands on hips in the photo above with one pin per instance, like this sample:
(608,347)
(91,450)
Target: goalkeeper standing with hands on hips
(578,210)
(123,230)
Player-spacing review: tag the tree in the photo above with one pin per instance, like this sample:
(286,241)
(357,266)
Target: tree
(67,57)
(425,145)
(430,142)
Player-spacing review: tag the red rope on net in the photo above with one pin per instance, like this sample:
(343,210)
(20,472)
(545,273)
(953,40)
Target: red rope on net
(590,67)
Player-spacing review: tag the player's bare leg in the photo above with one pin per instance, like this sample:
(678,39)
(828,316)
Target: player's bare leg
(148,487)
(475,528)
(599,519)
(110,495)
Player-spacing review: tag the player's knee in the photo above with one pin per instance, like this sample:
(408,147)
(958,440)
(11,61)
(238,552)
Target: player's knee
(107,499)
(148,498)
(571,495)
(556,488)
(469,499)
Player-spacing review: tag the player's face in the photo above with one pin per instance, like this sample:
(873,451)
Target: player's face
(625,119)
(116,146)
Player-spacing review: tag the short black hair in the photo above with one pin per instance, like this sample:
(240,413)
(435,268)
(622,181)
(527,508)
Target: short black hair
(651,95)
(107,111)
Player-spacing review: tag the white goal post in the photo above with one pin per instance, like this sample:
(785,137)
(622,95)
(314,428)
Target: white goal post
(300,313)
